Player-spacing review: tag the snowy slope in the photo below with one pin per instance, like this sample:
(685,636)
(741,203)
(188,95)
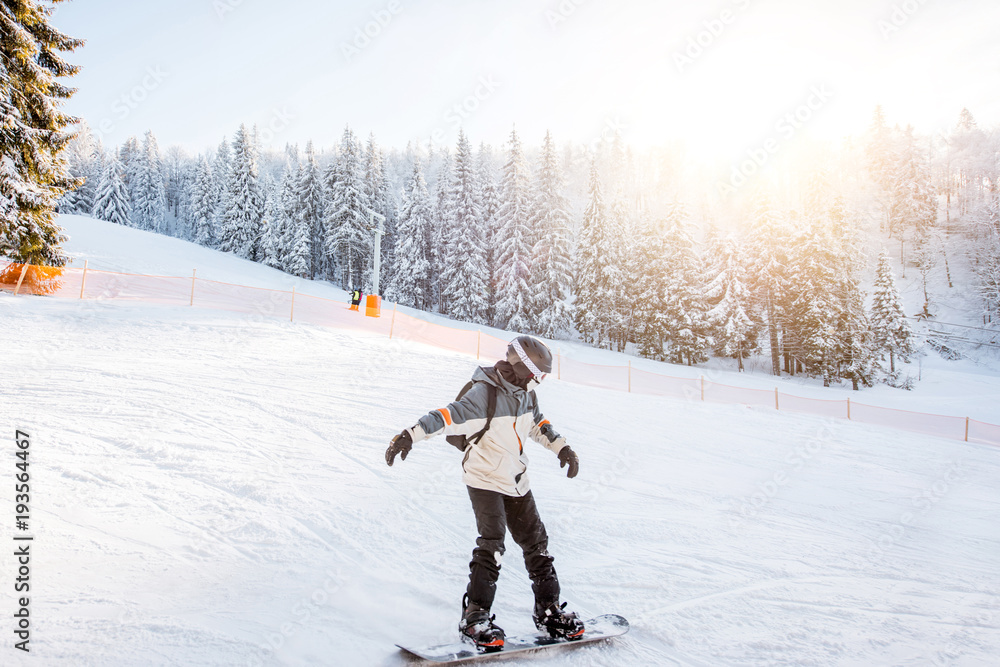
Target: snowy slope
(210,489)
(963,388)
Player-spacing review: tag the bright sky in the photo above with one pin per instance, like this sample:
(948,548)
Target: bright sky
(193,70)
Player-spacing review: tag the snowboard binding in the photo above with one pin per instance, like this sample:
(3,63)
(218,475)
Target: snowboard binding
(559,623)
(477,628)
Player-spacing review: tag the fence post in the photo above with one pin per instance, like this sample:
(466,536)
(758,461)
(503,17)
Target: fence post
(848,408)
(776,398)
(84,281)
(630,376)
(24,270)
(479,342)
(702,387)
(194,275)
(966,429)
(392,325)
(291,314)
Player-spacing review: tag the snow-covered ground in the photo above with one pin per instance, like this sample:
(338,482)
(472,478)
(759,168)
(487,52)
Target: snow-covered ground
(210,489)
(965,388)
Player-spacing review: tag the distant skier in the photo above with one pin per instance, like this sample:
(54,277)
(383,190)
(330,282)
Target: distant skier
(497,414)
(355,299)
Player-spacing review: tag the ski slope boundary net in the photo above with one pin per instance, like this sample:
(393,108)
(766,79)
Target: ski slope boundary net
(92,284)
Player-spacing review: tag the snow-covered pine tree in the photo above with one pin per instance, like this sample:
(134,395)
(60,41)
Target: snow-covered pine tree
(439,233)
(465,273)
(296,242)
(733,328)
(349,239)
(686,309)
(130,156)
(274,224)
(516,239)
(411,284)
(592,297)
(202,208)
(489,206)
(309,207)
(891,333)
(222,166)
(810,323)
(179,175)
(620,279)
(376,186)
(112,202)
(85,161)
(768,268)
(241,224)
(149,199)
(854,345)
(33,173)
(552,265)
(649,316)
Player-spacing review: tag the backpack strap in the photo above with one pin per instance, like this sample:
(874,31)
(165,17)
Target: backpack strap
(491,408)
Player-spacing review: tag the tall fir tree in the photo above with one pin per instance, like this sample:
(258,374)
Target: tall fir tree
(592,296)
(552,265)
(296,242)
(112,202)
(310,208)
(620,275)
(85,162)
(650,295)
(439,233)
(411,286)
(222,167)
(489,206)
(768,261)
(149,200)
(854,340)
(686,311)
(734,330)
(891,333)
(33,170)
(242,222)
(274,225)
(203,205)
(516,239)
(813,309)
(349,239)
(465,271)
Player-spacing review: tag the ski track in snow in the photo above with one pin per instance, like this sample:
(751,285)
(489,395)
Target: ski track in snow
(209,488)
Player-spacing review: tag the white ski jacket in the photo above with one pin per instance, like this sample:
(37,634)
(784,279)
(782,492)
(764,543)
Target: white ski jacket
(498,462)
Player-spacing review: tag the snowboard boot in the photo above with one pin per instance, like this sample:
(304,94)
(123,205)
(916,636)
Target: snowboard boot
(558,622)
(477,627)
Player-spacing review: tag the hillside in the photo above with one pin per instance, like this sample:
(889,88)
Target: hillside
(210,488)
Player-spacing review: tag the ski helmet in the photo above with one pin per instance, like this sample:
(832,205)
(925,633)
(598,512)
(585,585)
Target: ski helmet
(530,358)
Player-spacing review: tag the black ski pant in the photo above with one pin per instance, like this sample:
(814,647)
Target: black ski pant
(495,512)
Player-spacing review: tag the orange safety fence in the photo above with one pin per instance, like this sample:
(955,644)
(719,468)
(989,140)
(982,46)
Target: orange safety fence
(724,393)
(813,406)
(92,284)
(920,422)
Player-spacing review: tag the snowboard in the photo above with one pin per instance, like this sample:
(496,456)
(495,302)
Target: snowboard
(602,627)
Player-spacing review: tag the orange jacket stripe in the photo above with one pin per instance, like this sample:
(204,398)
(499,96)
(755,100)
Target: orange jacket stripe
(447,416)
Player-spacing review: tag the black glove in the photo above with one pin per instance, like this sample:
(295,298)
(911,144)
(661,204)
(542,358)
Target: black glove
(568,456)
(401,444)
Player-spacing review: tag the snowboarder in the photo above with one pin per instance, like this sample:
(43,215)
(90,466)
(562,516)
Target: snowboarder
(355,299)
(497,414)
